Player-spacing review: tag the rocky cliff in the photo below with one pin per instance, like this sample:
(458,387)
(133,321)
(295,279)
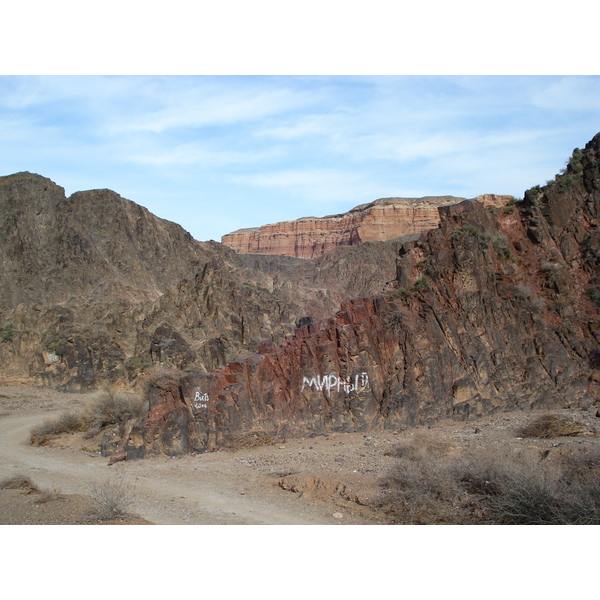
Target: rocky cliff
(489,312)
(88,247)
(378,221)
(95,290)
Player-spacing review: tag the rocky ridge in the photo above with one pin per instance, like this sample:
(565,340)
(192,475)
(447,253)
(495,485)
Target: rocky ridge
(381,220)
(490,312)
(95,290)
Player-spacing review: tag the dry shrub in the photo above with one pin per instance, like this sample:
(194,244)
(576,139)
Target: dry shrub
(106,408)
(111,407)
(421,488)
(66,422)
(19,482)
(495,486)
(112,499)
(252,439)
(550,426)
(24,483)
(423,443)
(161,376)
(48,495)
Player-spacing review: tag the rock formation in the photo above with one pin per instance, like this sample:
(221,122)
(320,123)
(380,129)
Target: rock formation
(95,290)
(490,312)
(378,221)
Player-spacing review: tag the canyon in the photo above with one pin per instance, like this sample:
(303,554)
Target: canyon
(489,313)
(493,308)
(382,220)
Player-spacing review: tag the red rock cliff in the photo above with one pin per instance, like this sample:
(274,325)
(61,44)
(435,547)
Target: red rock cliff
(378,221)
(490,313)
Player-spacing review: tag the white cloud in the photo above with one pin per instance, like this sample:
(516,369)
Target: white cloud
(207,103)
(315,185)
(568,94)
(196,154)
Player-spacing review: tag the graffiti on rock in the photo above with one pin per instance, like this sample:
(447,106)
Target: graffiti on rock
(201,400)
(337,383)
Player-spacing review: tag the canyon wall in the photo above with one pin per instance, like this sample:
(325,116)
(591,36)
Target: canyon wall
(490,312)
(95,290)
(378,221)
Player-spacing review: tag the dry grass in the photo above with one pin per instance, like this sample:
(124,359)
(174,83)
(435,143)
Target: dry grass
(425,443)
(252,439)
(106,408)
(48,495)
(19,482)
(112,407)
(26,485)
(66,422)
(112,499)
(495,486)
(551,426)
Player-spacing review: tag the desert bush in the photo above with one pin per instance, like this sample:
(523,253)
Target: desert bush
(112,407)
(423,445)
(252,439)
(19,482)
(550,426)
(542,492)
(395,321)
(106,408)
(47,495)
(492,487)
(421,491)
(6,332)
(66,422)
(421,488)
(112,498)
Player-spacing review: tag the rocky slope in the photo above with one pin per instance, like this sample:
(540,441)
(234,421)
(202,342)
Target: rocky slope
(492,311)
(378,221)
(95,290)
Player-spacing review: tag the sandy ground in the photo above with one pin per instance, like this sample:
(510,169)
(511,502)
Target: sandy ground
(329,479)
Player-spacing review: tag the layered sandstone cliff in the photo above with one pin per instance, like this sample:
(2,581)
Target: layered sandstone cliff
(378,221)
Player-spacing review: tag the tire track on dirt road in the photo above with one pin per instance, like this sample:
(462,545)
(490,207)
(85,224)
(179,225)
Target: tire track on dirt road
(189,490)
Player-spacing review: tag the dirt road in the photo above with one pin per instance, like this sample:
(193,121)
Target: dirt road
(215,488)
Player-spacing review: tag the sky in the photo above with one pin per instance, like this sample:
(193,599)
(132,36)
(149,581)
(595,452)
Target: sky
(234,114)
(219,153)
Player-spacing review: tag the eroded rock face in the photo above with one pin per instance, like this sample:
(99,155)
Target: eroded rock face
(382,220)
(95,290)
(489,313)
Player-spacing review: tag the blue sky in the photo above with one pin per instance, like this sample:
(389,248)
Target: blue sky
(218,153)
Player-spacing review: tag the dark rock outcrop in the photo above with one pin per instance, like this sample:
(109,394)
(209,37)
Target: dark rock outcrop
(490,312)
(94,290)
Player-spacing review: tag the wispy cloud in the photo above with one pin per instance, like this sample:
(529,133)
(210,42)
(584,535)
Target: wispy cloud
(242,147)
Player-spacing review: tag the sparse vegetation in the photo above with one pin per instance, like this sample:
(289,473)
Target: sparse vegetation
(19,482)
(26,485)
(252,439)
(428,267)
(500,244)
(112,407)
(428,486)
(66,422)
(6,333)
(405,292)
(112,499)
(532,195)
(551,426)
(395,320)
(107,408)
(509,207)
